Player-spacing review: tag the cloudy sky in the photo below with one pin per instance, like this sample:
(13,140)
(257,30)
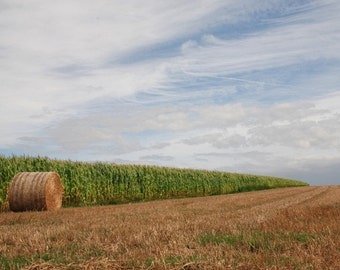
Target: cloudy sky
(247,86)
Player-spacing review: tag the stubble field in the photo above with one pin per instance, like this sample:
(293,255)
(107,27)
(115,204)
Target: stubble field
(289,228)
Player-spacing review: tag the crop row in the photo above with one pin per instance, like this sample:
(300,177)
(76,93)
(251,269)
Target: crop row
(106,183)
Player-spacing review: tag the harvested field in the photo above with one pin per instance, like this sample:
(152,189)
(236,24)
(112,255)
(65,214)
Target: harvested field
(290,228)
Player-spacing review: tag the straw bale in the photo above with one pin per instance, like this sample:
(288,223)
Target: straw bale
(37,191)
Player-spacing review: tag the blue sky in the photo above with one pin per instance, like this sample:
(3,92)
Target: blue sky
(242,86)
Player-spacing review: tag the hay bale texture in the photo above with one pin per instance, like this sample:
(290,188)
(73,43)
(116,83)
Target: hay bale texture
(35,191)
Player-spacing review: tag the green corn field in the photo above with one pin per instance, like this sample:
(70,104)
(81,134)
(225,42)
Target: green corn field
(105,183)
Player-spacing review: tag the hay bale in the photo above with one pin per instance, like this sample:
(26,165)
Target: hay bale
(35,191)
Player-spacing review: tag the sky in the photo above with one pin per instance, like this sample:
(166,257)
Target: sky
(247,86)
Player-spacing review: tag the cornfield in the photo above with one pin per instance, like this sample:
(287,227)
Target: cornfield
(102,183)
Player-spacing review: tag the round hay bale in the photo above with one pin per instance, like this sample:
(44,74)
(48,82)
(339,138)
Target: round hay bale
(38,191)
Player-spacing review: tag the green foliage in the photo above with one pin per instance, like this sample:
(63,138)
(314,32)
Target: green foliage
(104,183)
(12,263)
(255,241)
(220,239)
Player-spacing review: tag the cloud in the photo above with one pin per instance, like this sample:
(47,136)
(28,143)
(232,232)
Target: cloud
(254,140)
(318,171)
(156,158)
(217,84)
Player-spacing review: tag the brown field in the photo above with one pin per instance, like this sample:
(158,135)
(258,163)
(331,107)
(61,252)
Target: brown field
(291,228)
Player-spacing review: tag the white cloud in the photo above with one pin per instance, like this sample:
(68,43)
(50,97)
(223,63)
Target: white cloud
(212,84)
(255,140)
(282,46)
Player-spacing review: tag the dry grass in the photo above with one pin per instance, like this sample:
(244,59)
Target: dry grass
(292,228)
